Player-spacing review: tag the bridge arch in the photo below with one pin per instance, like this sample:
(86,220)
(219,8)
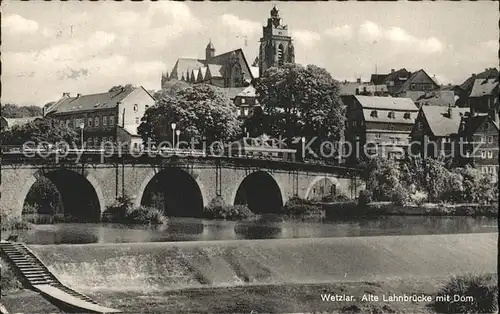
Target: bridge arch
(174,190)
(326,186)
(260,191)
(81,194)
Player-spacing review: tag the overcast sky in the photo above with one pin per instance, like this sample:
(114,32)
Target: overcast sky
(87,47)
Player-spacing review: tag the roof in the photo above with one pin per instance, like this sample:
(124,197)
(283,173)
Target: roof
(203,72)
(488,73)
(437,98)
(195,74)
(483,87)
(255,71)
(91,102)
(186,65)
(440,123)
(378,78)
(419,77)
(215,70)
(20,121)
(130,129)
(383,116)
(232,92)
(375,102)
(401,74)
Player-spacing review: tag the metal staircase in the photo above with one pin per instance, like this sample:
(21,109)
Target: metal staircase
(34,274)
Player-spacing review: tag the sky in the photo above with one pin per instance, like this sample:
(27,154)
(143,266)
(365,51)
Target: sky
(87,47)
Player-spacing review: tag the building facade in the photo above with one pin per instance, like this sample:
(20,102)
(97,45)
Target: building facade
(378,125)
(113,116)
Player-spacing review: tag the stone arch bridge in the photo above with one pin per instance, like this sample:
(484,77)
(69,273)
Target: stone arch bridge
(183,185)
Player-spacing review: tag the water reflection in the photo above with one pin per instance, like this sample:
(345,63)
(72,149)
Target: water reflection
(263,227)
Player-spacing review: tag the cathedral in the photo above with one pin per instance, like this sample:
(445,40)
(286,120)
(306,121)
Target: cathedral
(231,69)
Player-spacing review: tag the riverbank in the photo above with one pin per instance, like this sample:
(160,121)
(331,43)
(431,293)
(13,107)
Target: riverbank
(282,298)
(353,209)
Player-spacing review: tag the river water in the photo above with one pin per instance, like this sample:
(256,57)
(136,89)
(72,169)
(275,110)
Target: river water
(192,229)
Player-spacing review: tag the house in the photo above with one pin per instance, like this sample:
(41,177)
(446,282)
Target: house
(393,80)
(111,116)
(484,97)
(436,130)
(378,125)
(465,89)
(417,85)
(402,83)
(7,123)
(481,134)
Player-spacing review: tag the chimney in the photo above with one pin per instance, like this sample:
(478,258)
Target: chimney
(358,80)
(392,70)
(65,94)
(450,111)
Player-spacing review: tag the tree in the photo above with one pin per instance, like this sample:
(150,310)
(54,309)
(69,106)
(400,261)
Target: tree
(16,111)
(301,101)
(41,130)
(383,178)
(170,88)
(198,110)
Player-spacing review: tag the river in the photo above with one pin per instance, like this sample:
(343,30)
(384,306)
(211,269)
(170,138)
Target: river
(192,229)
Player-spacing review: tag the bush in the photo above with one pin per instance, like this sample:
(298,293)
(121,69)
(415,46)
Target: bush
(145,215)
(228,212)
(483,289)
(418,197)
(335,198)
(365,197)
(13,223)
(400,195)
(301,207)
(8,280)
(118,210)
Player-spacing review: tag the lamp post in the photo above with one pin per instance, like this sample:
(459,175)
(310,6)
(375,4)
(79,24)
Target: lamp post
(178,132)
(173,125)
(303,140)
(82,126)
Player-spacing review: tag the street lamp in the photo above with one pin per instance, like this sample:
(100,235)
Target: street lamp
(173,125)
(82,126)
(178,132)
(303,140)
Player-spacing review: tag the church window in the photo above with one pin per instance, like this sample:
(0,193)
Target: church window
(281,55)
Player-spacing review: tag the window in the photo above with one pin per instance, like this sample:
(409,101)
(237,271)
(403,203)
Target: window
(104,120)
(111,120)
(137,120)
(490,139)
(487,126)
(239,111)
(413,86)
(420,126)
(136,108)
(242,100)
(374,114)
(483,154)
(490,154)
(391,115)
(354,123)
(391,127)
(492,169)
(281,55)
(484,169)
(482,139)
(245,111)
(407,115)
(90,141)
(377,135)
(147,106)
(96,121)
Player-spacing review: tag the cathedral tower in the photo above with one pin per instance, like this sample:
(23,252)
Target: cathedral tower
(209,51)
(276,46)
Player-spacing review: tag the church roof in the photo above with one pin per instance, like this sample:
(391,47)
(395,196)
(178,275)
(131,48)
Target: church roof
(215,70)
(255,71)
(186,65)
